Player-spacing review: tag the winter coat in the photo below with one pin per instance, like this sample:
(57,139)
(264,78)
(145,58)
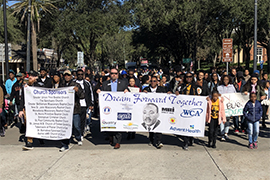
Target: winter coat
(251,113)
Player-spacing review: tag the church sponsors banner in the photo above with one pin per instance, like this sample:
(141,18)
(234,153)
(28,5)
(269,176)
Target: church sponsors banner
(234,103)
(153,112)
(49,112)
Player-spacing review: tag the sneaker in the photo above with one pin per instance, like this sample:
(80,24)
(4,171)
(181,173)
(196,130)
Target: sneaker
(236,131)
(28,146)
(160,145)
(80,143)
(150,143)
(81,138)
(255,145)
(223,138)
(62,149)
(226,136)
(185,147)
(214,146)
(250,146)
(243,131)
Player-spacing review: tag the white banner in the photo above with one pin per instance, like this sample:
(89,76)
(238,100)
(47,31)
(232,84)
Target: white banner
(234,103)
(153,112)
(49,112)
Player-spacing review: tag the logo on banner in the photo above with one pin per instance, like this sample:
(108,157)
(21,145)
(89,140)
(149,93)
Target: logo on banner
(167,110)
(124,116)
(127,107)
(130,126)
(172,120)
(108,124)
(191,126)
(188,113)
(106,110)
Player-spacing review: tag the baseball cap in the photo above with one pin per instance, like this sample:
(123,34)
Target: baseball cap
(19,74)
(67,72)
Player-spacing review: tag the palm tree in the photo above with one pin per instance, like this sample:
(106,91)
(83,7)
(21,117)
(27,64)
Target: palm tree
(37,6)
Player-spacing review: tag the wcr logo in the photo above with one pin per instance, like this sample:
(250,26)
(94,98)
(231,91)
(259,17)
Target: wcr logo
(191,112)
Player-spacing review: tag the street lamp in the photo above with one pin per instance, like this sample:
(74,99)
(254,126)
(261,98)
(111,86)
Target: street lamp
(28,54)
(5,32)
(255,37)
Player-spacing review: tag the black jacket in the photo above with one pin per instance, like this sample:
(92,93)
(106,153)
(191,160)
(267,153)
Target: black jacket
(121,85)
(47,83)
(204,88)
(159,89)
(193,89)
(88,93)
(15,92)
(78,95)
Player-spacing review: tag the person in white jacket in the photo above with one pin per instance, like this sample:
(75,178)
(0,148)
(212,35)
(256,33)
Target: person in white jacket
(226,86)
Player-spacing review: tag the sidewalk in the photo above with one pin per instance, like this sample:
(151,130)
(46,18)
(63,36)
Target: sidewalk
(96,159)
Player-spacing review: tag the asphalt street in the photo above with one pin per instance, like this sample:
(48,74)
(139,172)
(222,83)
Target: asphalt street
(96,159)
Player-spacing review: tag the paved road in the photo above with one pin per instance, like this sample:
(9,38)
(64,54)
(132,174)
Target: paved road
(135,159)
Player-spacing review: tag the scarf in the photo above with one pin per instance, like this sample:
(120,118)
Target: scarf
(253,86)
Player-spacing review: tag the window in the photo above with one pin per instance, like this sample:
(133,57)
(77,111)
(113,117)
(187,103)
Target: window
(259,54)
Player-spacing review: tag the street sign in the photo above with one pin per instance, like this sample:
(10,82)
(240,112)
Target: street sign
(186,60)
(2,52)
(227,50)
(80,58)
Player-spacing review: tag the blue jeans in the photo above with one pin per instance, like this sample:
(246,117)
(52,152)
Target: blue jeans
(224,128)
(76,130)
(88,120)
(253,131)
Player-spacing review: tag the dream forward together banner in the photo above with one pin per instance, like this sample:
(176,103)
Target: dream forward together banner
(152,112)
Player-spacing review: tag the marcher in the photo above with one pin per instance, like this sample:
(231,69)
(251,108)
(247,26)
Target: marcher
(9,83)
(215,115)
(87,103)
(44,80)
(114,85)
(76,130)
(154,88)
(253,113)
(226,87)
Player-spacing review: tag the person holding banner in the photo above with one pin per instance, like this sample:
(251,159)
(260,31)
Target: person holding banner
(32,81)
(151,113)
(114,85)
(76,129)
(188,88)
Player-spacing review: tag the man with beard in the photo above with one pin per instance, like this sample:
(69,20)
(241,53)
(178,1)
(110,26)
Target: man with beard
(88,102)
(44,80)
(32,81)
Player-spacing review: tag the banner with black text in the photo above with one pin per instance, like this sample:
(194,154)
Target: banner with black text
(153,112)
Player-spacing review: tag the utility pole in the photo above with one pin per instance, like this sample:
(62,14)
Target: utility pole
(6,41)
(28,54)
(255,37)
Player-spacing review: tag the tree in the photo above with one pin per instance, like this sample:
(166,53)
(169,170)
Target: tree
(14,32)
(37,7)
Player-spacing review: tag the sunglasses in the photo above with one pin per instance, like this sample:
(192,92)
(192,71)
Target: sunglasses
(67,75)
(189,76)
(80,74)
(153,81)
(114,73)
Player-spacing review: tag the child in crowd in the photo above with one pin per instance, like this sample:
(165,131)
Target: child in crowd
(215,115)
(253,113)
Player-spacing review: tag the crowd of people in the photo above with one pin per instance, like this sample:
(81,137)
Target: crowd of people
(87,84)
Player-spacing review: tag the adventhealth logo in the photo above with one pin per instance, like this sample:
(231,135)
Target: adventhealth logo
(191,112)
(124,116)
